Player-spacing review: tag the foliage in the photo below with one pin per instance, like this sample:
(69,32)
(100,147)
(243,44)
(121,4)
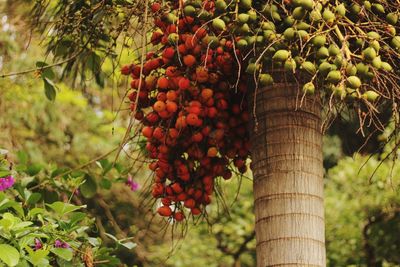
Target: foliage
(40,231)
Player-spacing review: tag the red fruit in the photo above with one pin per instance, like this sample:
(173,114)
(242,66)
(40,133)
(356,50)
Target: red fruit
(172,71)
(192,119)
(152,117)
(212,152)
(172,95)
(156,38)
(171,107)
(189,60)
(126,70)
(162,83)
(162,96)
(164,211)
(147,131)
(173,133)
(158,133)
(196,211)
(189,203)
(212,112)
(179,216)
(200,33)
(184,83)
(197,137)
(177,188)
(166,201)
(182,197)
(168,52)
(206,93)
(155,7)
(182,49)
(159,106)
(180,122)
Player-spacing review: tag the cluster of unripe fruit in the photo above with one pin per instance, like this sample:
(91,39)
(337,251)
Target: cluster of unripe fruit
(191,93)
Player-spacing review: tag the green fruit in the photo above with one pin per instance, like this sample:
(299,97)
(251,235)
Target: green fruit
(252,68)
(309,67)
(303,35)
(251,40)
(391,30)
(189,10)
(386,66)
(351,70)
(281,55)
(328,16)
(252,15)
(245,4)
(242,44)
(319,40)
(290,65)
(244,28)
(299,13)
(171,18)
(378,8)
(371,96)
(315,15)
(369,54)
(259,40)
(362,68)
(309,88)
(218,24)
(334,50)
(355,9)
(205,15)
(243,18)
(395,43)
(303,26)
(289,21)
(289,34)
(392,18)
(325,67)
(339,61)
(374,35)
(265,79)
(306,4)
(359,42)
(268,25)
(353,82)
(212,41)
(339,91)
(377,63)
(322,52)
(367,5)
(173,38)
(341,10)
(270,35)
(375,45)
(221,5)
(334,76)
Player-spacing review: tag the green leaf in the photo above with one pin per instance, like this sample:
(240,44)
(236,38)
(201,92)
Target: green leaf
(77,217)
(34,169)
(9,255)
(34,198)
(58,171)
(62,208)
(38,257)
(63,253)
(89,188)
(49,89)
(22,157)
(4,173)
(105,183)
(129,245)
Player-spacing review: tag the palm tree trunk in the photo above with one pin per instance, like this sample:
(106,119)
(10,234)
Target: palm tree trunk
(288,178)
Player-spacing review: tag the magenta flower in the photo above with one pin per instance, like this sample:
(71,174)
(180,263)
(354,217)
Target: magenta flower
(38,244)
(6,182)
(132,184)
(61,244)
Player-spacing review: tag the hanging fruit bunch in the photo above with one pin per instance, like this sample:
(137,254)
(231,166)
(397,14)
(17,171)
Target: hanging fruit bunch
(191,94)
(193,107)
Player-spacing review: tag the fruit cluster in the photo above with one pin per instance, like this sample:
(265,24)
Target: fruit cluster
(191,93)
(193,107)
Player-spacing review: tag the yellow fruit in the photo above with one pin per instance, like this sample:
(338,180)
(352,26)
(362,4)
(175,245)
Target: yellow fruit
(309,67)
(371,96)
(392,18)
(369,54)
(395,43)
(219,24)
(341,10)
(309,88)
(289,34)
(265,79)
(322,52)
(299,13)
(281,55)
(334,50)
(353,82)
(319,40)
(386,66)
(334,76)
(189,10)
(328,16)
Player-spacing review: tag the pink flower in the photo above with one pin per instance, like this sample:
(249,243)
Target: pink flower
(6,182)
(60,244)
(38,244)
(132,184)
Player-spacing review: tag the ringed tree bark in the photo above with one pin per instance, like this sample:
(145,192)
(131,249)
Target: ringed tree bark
(288,177)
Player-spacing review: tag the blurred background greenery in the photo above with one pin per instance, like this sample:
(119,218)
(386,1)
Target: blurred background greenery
(87,120)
